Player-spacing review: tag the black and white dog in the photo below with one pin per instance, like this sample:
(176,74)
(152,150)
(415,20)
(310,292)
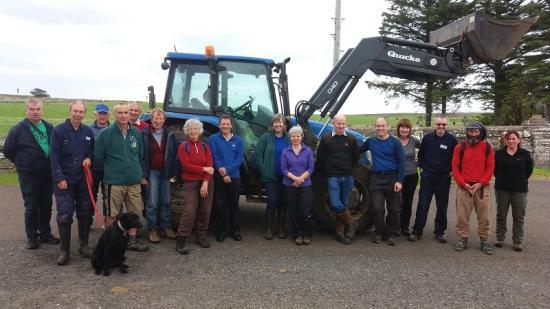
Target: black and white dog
(111,246)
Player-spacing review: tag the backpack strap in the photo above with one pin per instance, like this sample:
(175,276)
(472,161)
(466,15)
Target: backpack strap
(186,145)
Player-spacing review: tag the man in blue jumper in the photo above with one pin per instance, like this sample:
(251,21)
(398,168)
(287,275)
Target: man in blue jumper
(100,123)
(72,145)
(28,146)
(435,159)
(386,181)
(228,154)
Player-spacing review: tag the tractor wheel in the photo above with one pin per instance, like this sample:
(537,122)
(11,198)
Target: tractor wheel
(358,202)
(176,204)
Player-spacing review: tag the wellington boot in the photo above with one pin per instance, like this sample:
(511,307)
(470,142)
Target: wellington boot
(83,235)
(65,243)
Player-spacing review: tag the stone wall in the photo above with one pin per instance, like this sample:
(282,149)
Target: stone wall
(535,137)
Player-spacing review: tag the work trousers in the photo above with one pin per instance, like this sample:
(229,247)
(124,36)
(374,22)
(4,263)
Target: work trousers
(299,200)
(196,209)
(518,202)
(480,201)
(275,202)
(73,199)
(226,210)
(430,185)
(407,195)
(36,190)
(382,193)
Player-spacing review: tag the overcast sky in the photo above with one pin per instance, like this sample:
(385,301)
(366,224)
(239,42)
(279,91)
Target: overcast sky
(113,49)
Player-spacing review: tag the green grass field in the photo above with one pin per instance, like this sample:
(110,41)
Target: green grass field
(54,112)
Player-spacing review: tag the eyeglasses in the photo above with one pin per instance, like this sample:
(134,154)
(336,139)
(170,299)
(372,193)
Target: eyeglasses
(441,124)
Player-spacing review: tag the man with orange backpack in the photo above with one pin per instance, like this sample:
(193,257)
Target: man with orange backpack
(473,165)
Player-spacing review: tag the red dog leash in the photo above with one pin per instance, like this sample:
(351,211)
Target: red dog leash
(89,182)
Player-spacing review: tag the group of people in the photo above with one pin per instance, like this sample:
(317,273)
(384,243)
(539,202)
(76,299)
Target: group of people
(133,164)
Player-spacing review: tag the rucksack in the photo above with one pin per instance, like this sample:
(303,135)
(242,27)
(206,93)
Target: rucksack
(463,148)
(187,147)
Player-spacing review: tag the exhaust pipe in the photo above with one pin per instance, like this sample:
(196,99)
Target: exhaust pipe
(481,36)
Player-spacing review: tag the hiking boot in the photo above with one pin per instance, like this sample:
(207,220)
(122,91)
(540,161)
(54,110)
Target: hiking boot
(461,245)
(340,237)
(377,239)
(220,237)
(153,236)
(32,244)
(168,233)
(299,241)
(350,225)
(281,234)
(134,245)
(517,246)
(391,241)
(414,237)
(405,232)
(181,247)
(486,247)
(307,240)
(441,238)
(268,234)
(203,242)
(48,239)
(499,243)
(237,236)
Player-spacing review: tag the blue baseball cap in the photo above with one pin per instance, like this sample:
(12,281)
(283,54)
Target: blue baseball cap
(101,108)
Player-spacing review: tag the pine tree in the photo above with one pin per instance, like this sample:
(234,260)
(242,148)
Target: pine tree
(413,20)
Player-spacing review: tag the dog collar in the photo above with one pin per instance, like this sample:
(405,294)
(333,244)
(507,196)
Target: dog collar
(120,226)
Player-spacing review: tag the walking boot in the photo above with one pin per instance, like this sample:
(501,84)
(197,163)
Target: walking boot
(340,236)
(32,243)
(83,235)
(268,234)
(350,225)
(282,225)
(65,244)
(181,247)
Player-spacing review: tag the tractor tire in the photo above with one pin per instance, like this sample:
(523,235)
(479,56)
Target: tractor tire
(358,203)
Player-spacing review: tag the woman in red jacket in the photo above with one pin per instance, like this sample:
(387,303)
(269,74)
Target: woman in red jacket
(197,168)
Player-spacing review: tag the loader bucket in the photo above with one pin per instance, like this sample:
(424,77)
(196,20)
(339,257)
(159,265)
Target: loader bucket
(481,36)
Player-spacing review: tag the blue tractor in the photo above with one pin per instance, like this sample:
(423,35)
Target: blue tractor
(252,90)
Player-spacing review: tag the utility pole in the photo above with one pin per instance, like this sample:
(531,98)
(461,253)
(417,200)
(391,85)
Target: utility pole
(336,34)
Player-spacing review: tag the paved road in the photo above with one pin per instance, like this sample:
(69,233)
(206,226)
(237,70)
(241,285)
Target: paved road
(256,273)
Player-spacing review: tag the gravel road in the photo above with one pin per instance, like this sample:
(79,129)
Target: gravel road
(256,273)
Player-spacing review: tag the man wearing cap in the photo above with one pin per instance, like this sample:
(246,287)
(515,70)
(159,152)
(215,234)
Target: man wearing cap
(28,146)
(100,123)
(473,165)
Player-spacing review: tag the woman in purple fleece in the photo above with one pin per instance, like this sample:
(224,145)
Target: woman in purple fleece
(297,167)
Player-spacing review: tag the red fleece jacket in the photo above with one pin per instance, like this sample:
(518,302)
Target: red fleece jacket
(476,167)
(193,162)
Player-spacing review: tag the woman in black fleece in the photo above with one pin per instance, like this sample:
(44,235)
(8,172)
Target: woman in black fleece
(513,167)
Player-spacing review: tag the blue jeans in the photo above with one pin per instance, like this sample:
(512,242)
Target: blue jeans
(339,190)
(157,208)
(36,190)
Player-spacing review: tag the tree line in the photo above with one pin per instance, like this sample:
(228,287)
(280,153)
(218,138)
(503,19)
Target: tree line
(511,90)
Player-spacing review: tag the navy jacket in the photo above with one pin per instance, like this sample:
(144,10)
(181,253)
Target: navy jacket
(69,148)
(436,153)
(228,154)
(22,149)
